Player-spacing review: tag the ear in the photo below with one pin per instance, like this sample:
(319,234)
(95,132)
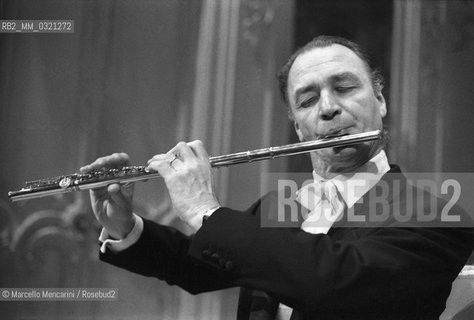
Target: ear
(298,131)
(382,106)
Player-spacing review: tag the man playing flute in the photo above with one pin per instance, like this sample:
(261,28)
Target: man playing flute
(390,271)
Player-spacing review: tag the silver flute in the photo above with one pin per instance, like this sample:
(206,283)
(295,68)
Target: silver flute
(102,178)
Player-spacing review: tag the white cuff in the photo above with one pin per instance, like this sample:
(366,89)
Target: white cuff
(122,244)
(196,222)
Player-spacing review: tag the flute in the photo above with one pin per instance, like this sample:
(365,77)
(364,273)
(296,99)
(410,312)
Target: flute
(102,178)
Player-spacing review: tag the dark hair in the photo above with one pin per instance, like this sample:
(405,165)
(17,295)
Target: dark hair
(321,42)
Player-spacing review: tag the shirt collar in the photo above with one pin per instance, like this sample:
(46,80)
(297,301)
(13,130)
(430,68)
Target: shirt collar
(352,186)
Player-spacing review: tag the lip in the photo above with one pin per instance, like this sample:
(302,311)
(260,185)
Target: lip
(334,133)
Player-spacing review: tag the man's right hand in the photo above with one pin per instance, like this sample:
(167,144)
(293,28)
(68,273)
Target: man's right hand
(112,205)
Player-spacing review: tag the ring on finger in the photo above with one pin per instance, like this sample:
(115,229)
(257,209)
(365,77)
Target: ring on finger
(171,160)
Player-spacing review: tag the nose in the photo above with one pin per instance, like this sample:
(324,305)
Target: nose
(329,108)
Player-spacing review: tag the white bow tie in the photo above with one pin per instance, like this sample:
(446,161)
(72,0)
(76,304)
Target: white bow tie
(324,204)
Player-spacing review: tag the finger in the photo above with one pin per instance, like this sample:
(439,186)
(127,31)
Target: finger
(160,157)
(163,166)
(116,160)
(198,148)
(99,193)
(113,188)
(183,151)
(117,196)
(176,163)
(170,158)
(127,189)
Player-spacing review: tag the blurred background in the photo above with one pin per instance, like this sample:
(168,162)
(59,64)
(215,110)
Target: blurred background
(139,76)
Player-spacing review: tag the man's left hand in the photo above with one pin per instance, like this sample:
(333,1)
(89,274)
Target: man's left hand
(188,177)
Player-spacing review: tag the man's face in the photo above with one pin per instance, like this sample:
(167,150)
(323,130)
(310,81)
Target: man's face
(330,93)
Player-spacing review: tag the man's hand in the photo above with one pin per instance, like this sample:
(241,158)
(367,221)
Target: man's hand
(112,205)
(188,177)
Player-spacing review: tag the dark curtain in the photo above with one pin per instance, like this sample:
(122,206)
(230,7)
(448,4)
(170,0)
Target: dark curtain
(115,84)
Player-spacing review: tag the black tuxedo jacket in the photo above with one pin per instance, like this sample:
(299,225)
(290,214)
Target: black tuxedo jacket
(390,270)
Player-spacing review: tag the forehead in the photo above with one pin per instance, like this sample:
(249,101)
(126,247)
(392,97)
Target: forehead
(320,63)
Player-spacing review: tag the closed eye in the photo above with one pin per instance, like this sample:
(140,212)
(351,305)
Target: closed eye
(308,102)
(344,89)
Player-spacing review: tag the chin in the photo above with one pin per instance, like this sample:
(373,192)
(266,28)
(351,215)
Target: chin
(344,152)
(347,159)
